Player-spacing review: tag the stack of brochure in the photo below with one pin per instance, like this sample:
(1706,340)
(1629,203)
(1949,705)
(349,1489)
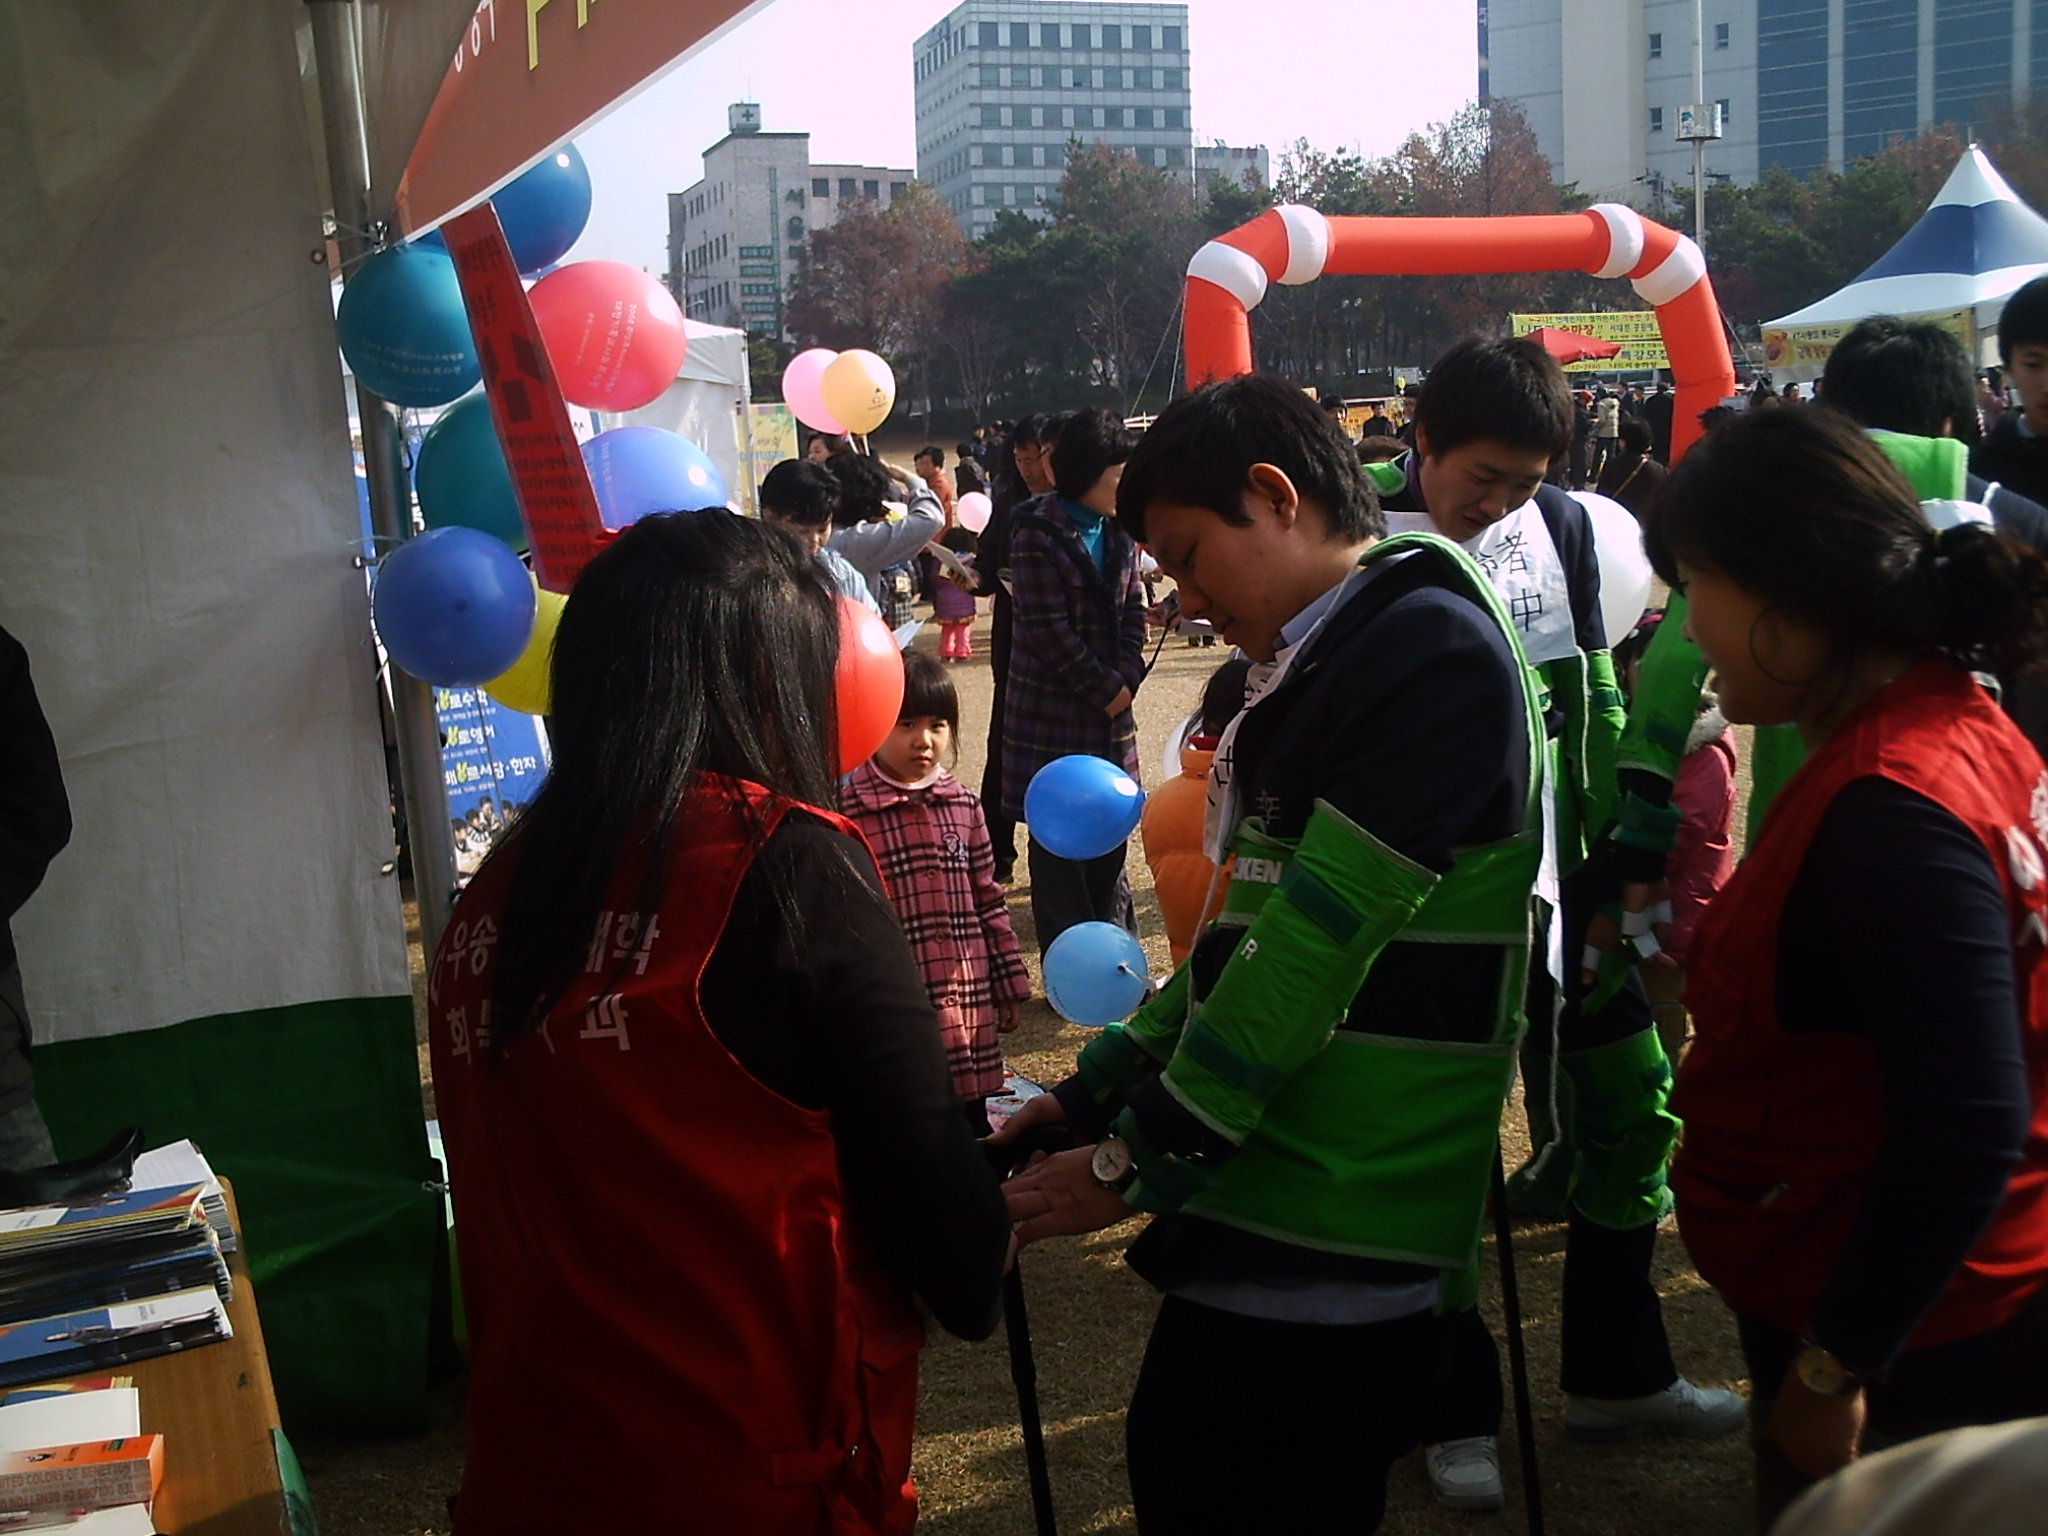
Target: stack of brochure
(124,1277)
(77,1461)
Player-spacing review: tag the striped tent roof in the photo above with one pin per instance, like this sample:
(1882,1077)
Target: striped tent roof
(1975,244)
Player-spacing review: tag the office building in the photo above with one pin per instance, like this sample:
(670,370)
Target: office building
(1002,86)
(1249,166)
(1803,84)
(737,238)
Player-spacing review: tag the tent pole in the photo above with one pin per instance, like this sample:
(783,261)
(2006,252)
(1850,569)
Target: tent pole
(418,729)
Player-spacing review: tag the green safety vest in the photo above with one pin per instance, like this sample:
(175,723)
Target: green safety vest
(1363,1142)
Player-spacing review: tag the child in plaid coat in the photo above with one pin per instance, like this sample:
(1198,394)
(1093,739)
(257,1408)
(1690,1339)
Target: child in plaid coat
(929,837)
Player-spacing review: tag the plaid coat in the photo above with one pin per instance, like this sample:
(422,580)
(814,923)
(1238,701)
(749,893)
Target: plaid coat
(933,849)
(1078,638)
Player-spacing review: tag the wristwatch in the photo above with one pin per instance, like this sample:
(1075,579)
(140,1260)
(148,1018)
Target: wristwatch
(1112,1165)
(1820,1372)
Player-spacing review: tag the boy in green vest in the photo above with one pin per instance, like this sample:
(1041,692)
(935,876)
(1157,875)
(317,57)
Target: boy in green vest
(1492,418)
(1309,1107)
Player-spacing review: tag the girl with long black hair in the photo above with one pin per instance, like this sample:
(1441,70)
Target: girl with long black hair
(1864,1169)
(703,1144)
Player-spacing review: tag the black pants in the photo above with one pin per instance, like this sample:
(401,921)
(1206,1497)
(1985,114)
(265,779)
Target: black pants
(1242,1427)
(1002,831)
(1991,1378)
(1069,891)
(1612,1343)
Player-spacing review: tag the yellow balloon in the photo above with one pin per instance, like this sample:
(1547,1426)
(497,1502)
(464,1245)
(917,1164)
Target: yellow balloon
(524,685)
(859,390)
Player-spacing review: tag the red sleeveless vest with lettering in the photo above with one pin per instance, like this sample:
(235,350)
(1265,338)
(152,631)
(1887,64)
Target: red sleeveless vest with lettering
(672,1326)
(1781,1129)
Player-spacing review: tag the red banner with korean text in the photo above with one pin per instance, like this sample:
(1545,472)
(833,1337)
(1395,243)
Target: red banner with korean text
(555,497)
(529,74)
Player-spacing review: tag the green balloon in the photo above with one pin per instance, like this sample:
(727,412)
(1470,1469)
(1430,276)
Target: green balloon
(461,477)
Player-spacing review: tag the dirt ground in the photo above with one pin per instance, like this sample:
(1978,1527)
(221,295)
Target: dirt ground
(1090,1315)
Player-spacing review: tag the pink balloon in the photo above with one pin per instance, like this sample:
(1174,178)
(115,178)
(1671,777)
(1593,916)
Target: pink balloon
(613,332)
(800,390)
(973,511)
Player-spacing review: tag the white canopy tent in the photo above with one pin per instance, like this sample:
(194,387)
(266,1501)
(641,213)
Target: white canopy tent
(1974,246)
(219,951)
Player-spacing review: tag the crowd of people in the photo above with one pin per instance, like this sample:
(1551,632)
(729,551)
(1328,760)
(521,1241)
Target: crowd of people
(717,1024)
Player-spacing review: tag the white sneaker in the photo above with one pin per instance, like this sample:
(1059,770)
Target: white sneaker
(1695,1413)
(1465,1473)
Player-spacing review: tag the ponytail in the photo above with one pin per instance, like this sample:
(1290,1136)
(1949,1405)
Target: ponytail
(1990,600)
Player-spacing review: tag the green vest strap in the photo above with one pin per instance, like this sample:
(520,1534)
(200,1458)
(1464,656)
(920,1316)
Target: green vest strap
(1321,905)
(1202,1044)
(1652,828)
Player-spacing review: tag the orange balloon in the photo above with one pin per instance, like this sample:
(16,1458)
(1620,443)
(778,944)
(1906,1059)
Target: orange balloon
(869,685)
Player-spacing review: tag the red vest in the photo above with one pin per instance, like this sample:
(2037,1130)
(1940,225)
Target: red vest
(672,1327)
(1781,1129)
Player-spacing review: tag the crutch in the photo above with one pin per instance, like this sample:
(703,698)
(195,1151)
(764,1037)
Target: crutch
(1024,1372)
(1518,1360)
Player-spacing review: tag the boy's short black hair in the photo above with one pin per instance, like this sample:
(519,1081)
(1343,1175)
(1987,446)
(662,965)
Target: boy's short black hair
(1201,450)
(927,690)
(801,492)
(933,452)
(1090,442)
(1901,376)
(2025,321)
(1510,392)
(1634,433)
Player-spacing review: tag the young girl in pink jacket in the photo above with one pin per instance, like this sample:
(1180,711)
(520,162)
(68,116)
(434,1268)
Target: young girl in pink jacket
(929,837)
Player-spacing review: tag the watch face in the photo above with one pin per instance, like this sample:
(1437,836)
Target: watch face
(1821,1372)
(1112,1161)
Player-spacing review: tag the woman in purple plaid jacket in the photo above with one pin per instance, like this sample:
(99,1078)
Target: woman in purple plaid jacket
(1077,657)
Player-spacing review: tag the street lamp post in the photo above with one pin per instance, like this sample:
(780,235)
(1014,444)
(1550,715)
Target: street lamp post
(1699,124)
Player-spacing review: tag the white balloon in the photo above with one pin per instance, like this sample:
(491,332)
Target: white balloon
(1625,573)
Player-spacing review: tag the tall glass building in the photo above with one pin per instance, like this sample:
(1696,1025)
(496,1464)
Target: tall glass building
(1805,84)
(1002,86)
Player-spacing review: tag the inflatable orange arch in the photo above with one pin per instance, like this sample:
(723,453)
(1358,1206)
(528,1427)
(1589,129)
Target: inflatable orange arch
(1295,244)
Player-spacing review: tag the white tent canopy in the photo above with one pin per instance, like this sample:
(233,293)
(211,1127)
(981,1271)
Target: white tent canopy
(1975,245)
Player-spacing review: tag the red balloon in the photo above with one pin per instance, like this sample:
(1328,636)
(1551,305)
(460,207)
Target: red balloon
(869,684)
(612,331)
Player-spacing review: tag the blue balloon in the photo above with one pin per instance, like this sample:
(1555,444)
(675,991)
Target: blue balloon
(404,330)
(1095,974)
(638,470)
(1081,807)
(543,210)
(454,606)
(461,476)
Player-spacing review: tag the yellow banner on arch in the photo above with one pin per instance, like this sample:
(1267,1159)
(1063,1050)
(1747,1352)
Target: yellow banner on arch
(1642,344)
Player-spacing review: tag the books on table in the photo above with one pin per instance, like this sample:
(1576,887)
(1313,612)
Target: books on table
(128,1275)
(76,1461)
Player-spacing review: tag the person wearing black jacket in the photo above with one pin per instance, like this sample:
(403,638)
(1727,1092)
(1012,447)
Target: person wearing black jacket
(1386,754)
(35,824)
(2015,451)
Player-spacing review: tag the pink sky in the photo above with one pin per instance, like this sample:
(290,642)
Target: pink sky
(1264,72)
